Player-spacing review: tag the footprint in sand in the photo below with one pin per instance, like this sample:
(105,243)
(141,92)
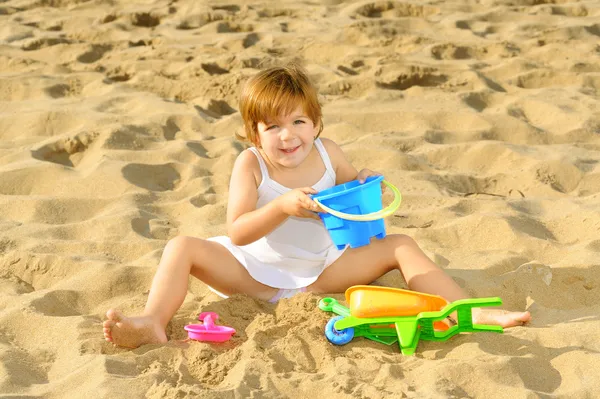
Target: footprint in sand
(405,78)
(66,151)
(49,3)
(198,149)
(12,285)
(36,44)
(133,138)
(347,70)
(198,20)
(108,18)
(60,90)
(479,28)
(235,43)
(17,277)
(251,40)
(561,176)
(60,303)
(273,12)
(145,19)
(233,27)
(213,69)
(478,101)
(23,368)
(214,108)
(546,78)
(550,7)
(451,51)
(116,74)
(593,246)
(389,9)
(152,177)
(49,25)
(94,54)
(152,228)
(208,198)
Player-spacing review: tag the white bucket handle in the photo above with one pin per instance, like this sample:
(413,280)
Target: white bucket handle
(369,216)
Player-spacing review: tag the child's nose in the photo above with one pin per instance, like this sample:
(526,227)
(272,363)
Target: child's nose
(286,133)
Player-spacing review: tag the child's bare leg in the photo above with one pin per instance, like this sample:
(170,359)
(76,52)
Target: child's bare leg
(206,260)
(365,264)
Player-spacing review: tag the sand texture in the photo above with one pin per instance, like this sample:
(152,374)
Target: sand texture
(117,122)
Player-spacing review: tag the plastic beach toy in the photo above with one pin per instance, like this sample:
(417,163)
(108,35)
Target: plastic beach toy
(374,301)
(396,315)
(354,211)
(208,331)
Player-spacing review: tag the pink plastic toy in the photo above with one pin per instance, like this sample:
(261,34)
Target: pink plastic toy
(208,331)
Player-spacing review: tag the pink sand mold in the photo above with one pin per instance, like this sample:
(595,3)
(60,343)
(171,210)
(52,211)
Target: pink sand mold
(208,331)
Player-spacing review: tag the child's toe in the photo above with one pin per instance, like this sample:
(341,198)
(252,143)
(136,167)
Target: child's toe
(114,316)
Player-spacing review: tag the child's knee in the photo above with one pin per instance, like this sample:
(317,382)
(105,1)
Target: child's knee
(401,241)
(179,244)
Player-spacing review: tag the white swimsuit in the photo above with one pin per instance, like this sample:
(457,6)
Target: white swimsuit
(298,250)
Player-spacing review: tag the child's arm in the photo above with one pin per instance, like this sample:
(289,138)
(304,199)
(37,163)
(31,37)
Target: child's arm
(247,224)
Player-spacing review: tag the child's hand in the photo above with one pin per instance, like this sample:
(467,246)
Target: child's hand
(363,174)
(298,203)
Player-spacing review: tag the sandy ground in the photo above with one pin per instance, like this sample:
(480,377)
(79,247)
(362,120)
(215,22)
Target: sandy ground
(116,134)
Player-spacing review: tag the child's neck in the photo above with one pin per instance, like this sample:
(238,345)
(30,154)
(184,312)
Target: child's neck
(307,174)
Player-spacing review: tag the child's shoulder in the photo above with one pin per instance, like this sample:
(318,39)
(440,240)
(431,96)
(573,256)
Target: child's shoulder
(333,150)
(330,145)
(247,155)
(248,161)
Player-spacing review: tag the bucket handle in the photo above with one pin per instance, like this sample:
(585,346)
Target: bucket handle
(369,216)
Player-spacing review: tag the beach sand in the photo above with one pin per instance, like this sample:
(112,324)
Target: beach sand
(117,124)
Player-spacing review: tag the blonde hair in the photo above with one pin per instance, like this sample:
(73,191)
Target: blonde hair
(277,91)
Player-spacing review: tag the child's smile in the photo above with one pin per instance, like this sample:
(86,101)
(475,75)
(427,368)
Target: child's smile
(290,150)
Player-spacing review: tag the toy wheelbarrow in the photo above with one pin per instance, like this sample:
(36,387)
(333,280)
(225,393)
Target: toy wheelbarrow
(390,315)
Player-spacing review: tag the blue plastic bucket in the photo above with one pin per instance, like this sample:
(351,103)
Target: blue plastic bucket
(354,211)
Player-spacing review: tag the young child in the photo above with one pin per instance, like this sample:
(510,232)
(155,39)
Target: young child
(277,245)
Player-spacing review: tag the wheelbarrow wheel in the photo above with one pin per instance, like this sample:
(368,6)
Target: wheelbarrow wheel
(338,337)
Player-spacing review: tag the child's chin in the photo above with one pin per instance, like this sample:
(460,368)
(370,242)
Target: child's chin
(290,163)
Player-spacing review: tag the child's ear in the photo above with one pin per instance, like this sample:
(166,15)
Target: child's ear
(318,128)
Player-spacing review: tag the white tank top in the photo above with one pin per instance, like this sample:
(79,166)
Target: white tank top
(295,253)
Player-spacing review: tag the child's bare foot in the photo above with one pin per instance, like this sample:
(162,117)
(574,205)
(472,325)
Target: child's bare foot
(503,318)
(131,332)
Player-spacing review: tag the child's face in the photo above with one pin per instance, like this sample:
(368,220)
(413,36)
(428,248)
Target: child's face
(288,139)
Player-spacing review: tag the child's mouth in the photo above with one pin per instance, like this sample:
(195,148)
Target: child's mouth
(290,150)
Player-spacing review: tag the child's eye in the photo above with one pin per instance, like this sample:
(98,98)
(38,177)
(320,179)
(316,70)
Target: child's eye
(271,127)
(298,121)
